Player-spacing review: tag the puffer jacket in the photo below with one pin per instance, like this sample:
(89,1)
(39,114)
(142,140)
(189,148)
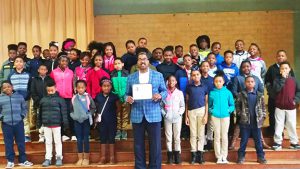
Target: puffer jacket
(242,109)
(13,108)
(53,111)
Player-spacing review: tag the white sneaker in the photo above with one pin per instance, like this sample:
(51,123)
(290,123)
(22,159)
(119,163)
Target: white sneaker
(224,161)
(219,161)
(41,139)
(10,165)
(73,138)
(65,138)
(26,164)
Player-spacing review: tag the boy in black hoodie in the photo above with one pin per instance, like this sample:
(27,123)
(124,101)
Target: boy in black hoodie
(38,91)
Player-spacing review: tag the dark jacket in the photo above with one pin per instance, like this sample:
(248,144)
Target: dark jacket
(167,69)
(129,60)
(182,80)
(238,85)
(242,109)
(73,64)
(273,73)
(53,111)
(33,65)
(38,89)
(51,65)
(13,108)
(287,92)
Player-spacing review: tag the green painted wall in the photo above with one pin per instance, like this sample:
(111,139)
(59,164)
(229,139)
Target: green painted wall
(109,7)
(122,7)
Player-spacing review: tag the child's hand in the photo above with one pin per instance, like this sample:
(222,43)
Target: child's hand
(204,120)
(129,100)
(187,121)
(284,74)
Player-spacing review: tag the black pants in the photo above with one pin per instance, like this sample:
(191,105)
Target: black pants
(271,109)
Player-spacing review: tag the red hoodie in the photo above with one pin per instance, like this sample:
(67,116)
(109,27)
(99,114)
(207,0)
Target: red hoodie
(93,78)
(288,93)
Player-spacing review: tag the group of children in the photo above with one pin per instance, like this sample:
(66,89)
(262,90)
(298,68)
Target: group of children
(73,90)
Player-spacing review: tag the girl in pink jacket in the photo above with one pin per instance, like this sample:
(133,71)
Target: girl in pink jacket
(63,77)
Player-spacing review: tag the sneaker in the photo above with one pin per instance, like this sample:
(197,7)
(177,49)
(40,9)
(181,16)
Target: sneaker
(124,135)
(240,160)
(295,146)
(10,165)
(224,161)
(65,138)
(73,138)
(41,139)
(26,164)
(276,147)
(262,161)
(46,163)
(27,139)
(118,135)
(219,161)
(58,161)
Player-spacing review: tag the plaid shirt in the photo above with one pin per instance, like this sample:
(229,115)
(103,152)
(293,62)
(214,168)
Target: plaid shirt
(148,108)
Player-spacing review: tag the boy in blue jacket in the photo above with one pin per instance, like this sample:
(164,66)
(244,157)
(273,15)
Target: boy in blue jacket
(229,68)
(13,109)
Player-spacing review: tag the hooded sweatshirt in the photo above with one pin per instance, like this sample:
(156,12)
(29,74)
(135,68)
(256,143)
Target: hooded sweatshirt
(229,71)
(220,103)
(258,68)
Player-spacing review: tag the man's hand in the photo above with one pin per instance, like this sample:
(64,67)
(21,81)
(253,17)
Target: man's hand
(129,100)
(156,97)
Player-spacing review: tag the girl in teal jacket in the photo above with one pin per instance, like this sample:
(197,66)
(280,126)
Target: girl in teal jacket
(220,105)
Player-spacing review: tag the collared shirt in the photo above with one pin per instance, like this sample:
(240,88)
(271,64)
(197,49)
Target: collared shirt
(251,107)
(196,95)
(144,77)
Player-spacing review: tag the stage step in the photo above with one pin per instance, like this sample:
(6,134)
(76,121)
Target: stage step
(127,145)
(71,157)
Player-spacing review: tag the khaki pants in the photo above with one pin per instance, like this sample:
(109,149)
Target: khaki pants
(288,119)
(26,121)
(197,129)
(123,121)
(170,130)
(221,126)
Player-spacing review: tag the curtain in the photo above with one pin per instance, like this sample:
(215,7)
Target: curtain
(41,21)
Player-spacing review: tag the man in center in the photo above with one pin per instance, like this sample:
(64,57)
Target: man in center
(146,113)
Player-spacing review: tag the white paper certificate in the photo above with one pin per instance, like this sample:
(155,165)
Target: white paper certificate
(142,91)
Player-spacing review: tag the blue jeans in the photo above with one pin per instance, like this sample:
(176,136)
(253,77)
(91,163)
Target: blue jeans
(154,134)
(245,133)
(10,132)
(82,131)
